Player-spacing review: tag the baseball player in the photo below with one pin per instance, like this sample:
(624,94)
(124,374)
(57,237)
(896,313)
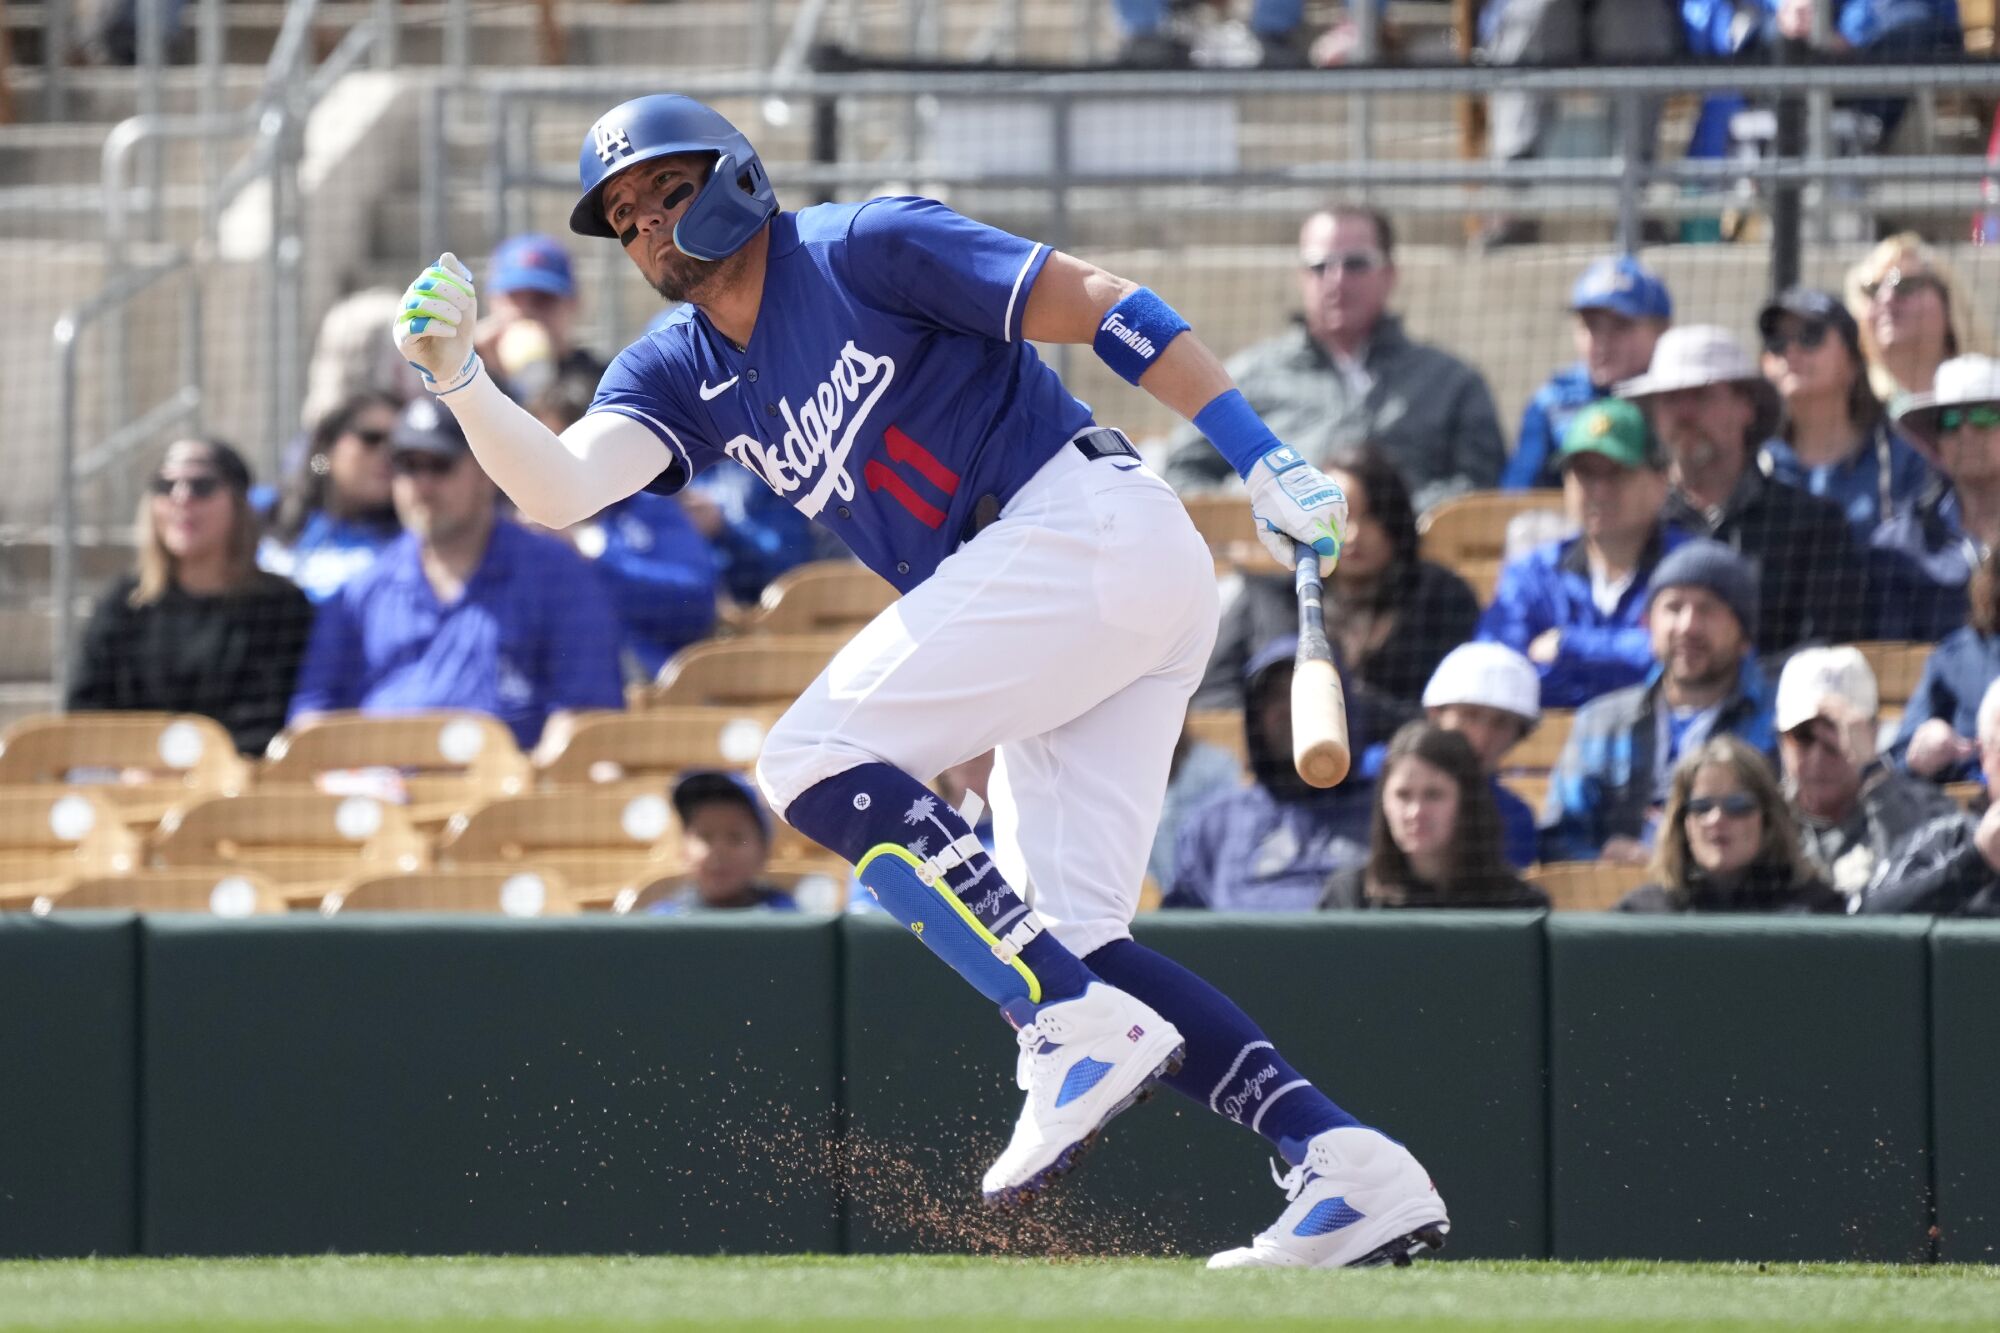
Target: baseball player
(870,363)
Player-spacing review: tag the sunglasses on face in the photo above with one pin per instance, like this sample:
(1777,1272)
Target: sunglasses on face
(1736,805)
(1807,336)
(424,465)
(197,487)
(1985,418)
(1351,262)
(370,439)
(1895,284)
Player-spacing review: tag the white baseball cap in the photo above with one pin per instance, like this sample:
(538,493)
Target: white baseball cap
(1489,674)
(1963,381)
(1815,678)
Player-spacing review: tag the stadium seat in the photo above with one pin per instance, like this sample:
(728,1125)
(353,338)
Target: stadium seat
(222,892)
(1541,748)
(503,890)
(824,597)
(649,748)
(596,841)
(752,670)
(437,764)
(50,836)
(1224,523)
(1897,664)
(142,763)
(1585,886)
(1220,727)
(1532,788)
(1965,793)
(1468,533)
(305,842)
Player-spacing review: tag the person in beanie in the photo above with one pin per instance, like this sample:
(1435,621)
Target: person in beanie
(1935,542)
(1611,782)
(1621,309)
(1576,607)
(1855,813)
(1713,410)
(1490,694)
(1836,442)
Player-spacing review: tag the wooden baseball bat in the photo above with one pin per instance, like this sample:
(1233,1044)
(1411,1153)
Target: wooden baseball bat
(1319,710)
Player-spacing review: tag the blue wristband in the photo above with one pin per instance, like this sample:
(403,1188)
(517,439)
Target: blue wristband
(1236,431)
(1135,332)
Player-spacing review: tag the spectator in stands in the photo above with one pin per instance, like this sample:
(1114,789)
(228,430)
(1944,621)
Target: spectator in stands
(726,842)
(1727,842)
(1952,864)
(1882,30)
(1934,740)
(1856,814)
(1435,838)
(1394,614)
(1271,846)
(1564,32)
(653,564)
(1929,549)
(350,356)
(198,628)
(529,330)
(1713,410)
(1490,694)
(1620,310)
(1348,374)
(465,609)
(1913,312)
(1150,41)
(1836,441)
(1198,771)
(753,535)
(1612,779)
(336,513)
(1577,606)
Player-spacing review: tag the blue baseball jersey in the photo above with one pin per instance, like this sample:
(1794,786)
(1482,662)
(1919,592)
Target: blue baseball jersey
(886,390)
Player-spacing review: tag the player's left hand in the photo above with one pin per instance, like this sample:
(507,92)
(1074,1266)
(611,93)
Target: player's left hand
(1293,501)
(434,328)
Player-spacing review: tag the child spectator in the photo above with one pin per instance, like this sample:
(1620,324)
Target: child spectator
(336,513)
(1489,694)
(726,842)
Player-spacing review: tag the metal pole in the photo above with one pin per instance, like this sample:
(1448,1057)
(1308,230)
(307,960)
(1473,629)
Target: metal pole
(152,42)
(386,35)
(1010,30)
(1819,120)
(274,278)
(1361,106)
(210,53)
(1631,122)
(458,39)
(1060,122)
(1785,216)
(825,139)
(55,59)
(431,167)
(763,21)
(63,575)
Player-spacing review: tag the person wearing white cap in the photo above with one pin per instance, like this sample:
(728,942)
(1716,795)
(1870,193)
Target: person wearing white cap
(1952,867)
(1713,410)
(1856,814)
(1492,696)
(1929,549)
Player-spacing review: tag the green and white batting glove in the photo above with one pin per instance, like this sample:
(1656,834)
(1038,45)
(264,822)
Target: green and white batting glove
(1293,501)
(433,329)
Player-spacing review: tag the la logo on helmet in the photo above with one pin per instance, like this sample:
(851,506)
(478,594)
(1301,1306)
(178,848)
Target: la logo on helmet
(611,141)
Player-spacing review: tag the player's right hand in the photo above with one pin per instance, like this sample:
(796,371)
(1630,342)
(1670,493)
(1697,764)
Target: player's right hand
(433,329)
(1293,501)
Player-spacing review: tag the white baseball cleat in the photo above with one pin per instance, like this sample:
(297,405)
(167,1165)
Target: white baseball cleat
(1358,1200)
(1082,1061)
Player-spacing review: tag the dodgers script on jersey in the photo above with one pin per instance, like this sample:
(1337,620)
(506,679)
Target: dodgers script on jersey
(886,390)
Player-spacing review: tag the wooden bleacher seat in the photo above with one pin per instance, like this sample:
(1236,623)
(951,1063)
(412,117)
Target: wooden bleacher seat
(305,842)
(219,892)
(50,836)
(596,841)
(823,597)
(143,764)
(1540,748)
(439,762)
(1468,533)
(1532,788)
(1224,523)
(1965,793)
(500,890)
(648,749)
(1897,664)
(752,670)
(1220,727)
(1585,886)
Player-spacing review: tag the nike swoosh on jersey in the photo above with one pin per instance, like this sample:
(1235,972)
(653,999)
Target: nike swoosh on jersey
(1127,467)
(708,394)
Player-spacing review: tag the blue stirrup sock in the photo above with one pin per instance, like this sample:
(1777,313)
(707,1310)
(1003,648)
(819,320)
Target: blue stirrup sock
(921,860)
(1231,1067)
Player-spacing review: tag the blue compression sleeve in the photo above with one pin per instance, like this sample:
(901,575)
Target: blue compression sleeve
(1237,432)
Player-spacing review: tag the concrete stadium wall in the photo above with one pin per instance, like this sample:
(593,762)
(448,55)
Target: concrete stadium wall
(1581,1087)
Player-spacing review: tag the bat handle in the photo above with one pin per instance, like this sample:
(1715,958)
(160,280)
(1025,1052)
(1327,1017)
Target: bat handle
(1312,614)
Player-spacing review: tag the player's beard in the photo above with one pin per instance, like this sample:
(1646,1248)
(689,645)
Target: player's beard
(684,278)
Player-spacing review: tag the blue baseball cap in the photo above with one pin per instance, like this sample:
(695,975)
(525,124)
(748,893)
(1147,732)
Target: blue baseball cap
(531,263)
(702,786)
(1624,286)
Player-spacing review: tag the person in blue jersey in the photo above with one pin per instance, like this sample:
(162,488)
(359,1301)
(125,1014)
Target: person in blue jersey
(871,363)
(335,513)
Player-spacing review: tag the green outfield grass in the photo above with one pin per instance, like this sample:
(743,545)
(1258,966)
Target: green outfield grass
(947,1293)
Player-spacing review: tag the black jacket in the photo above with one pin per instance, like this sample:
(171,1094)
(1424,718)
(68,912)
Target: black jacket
(1348,889)
(1767,889)
(1940,872)
(234,658)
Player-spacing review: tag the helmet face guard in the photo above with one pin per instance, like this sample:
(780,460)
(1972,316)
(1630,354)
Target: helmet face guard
(729,207)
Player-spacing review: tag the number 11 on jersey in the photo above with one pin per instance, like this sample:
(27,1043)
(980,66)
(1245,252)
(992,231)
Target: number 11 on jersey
(906,451)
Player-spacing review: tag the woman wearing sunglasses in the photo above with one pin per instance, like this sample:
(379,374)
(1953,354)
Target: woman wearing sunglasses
(1913,312)
(336,514)
(1728,842)
(198,628)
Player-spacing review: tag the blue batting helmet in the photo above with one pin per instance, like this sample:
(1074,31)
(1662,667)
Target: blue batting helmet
(729,208)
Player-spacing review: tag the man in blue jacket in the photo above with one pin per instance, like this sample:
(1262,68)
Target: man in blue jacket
(1577,607)
(1608,787)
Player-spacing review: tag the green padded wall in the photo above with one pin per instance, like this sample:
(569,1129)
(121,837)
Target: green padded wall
(1427,1024)
(1965,1050)
(402,1084)
(68,1058)
(1746,1088)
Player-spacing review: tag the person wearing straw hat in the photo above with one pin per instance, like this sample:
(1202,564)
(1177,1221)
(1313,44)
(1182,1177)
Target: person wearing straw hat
(1713,409)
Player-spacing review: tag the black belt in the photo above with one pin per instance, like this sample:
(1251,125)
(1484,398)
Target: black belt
(1095,443)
